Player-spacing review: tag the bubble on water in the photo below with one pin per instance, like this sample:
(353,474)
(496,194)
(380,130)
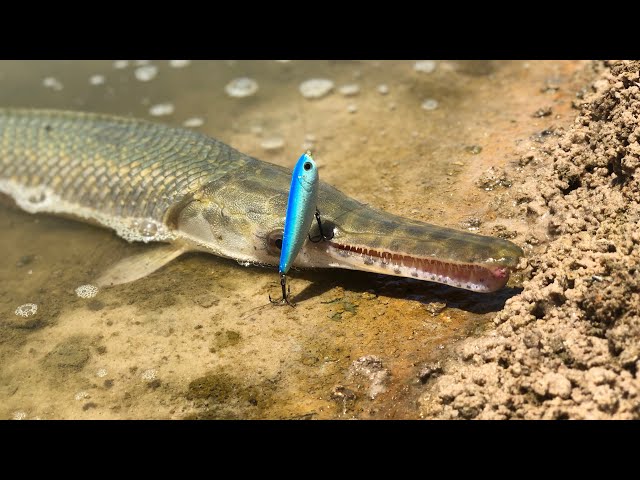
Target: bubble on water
(97,79)
(102,372)
(316,88)
(272,143)
(383,89)
(241,87)
(256,129)
(81,395)
(430,104)
(161,109)
(142,62)
(310,137)
(146,73)
(179,63)
(193,122)
(149,374)
(27,310)
(425,66)
(148,229)
(120,64)
(87,291)
(52,83)
(349,89)
(352,108)
(283,61)
(37,197)
(19,415)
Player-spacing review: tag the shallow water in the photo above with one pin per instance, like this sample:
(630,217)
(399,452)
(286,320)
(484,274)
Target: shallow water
(197,339)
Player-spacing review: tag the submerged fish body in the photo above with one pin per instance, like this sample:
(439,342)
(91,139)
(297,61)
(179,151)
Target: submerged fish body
(154,183)
(301,207)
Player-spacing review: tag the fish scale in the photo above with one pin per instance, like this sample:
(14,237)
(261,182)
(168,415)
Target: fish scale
(113,165)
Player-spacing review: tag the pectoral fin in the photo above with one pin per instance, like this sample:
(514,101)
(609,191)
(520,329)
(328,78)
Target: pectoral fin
(140,265)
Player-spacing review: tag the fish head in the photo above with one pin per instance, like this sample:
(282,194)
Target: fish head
(242,215)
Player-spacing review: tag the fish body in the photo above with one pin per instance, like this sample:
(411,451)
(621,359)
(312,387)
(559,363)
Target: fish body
(301,208)
(155,183)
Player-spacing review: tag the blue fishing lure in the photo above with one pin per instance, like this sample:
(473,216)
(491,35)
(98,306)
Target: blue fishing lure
(301,209)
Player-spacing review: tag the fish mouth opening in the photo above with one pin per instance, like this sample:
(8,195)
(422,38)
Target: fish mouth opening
(476,277)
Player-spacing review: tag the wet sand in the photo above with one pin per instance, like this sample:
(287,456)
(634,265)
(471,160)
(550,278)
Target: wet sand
(197,338)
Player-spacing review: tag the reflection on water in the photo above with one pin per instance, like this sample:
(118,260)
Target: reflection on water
(198,339)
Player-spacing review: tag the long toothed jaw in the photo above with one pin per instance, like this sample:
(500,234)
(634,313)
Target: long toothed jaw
(486,277)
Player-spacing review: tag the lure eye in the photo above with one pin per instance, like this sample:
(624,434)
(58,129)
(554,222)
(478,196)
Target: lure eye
(307,166)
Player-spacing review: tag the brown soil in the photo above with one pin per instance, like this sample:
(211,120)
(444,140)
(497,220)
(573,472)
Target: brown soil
(568,346)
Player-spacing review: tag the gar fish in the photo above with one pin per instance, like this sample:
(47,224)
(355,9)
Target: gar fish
(301,209)
(154,183)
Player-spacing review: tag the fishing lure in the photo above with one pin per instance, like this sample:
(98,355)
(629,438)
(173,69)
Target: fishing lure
(301,209)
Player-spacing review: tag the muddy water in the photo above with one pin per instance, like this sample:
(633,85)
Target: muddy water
(198,339)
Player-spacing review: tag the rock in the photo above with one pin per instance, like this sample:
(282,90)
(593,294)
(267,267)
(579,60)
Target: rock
(206,300)
(161,109)
(97,80)
(349,90)
(430,104)
(316,88)
(272,143)
(193,122)
(493,178)
(554,385)
(241,87)
(146,73)
(425,66)
(371,367)
(542,112)
(429,371)
(434,308)
(179,63)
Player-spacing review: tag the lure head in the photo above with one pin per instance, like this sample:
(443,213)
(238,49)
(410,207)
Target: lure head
(306,172)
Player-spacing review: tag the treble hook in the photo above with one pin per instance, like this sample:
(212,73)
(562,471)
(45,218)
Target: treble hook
(286,292)
(322,236)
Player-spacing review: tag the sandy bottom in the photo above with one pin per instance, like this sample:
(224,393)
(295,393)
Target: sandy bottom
(501,155)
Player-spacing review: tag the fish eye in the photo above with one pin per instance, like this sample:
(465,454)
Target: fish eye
(274,242)
(307,166)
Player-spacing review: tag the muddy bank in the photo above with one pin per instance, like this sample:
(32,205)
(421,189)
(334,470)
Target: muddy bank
(568,346)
